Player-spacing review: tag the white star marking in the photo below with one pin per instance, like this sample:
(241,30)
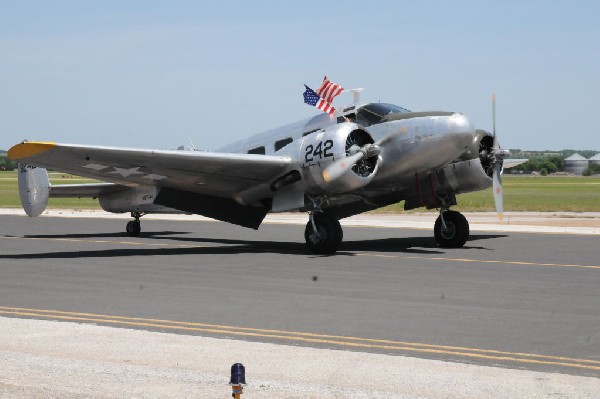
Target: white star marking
(127,172)
(95,166)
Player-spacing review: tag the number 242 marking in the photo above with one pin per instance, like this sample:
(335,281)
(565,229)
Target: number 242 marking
(321,150)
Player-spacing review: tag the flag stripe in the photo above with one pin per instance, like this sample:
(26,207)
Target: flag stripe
(325,107)
(324,96)
(329,90)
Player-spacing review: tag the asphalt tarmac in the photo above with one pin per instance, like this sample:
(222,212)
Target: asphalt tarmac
(516,300)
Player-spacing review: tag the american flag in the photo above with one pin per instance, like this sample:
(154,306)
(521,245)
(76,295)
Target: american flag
(329,90)
(312,98)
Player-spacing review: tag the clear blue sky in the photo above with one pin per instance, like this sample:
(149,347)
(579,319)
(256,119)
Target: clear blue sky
(154,74)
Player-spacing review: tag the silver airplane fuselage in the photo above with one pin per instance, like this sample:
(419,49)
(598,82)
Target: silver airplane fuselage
(430,156)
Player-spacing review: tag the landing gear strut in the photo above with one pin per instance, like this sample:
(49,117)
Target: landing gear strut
(451,229)
(323,233)
(134,228)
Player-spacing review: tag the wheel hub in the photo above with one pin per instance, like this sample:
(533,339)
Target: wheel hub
(449,232)
(318,236)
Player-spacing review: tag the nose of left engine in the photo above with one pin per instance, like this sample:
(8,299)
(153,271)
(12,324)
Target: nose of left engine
(459,123)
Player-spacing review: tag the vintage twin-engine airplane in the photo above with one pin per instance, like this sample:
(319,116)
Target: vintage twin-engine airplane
(368,156)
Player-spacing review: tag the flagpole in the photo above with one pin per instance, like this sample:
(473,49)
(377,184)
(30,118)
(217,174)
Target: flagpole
(339,114)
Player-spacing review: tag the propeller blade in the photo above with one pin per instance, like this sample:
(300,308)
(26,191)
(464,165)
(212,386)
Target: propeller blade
(496,144)
(341,166)
(497,187)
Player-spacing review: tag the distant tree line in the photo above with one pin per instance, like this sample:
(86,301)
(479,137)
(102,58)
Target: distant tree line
(6,163)
(593,169)
(545,162)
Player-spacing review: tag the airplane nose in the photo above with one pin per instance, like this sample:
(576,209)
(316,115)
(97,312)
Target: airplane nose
(460,132)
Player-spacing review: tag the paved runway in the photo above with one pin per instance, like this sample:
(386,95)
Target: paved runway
(510,299)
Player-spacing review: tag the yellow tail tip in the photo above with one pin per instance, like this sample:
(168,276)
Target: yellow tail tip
(27,150)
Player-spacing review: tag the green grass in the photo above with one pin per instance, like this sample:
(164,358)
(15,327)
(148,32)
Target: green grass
(521,193)
(533,194)
(9,192)
(543,194)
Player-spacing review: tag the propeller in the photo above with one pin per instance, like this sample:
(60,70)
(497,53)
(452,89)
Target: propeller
(497,155)
(356,154)
(341,166)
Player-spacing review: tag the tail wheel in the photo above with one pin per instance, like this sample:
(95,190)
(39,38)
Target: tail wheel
(328,237)
(456,233)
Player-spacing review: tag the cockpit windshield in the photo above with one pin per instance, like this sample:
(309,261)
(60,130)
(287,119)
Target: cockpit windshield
(374,113)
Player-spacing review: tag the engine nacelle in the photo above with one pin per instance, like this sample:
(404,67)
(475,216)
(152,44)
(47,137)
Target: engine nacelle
(320,149)
(134,199)
(34,189)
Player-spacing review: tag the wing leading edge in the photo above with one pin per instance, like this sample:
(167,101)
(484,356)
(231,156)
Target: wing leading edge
(223,183)
(215,174)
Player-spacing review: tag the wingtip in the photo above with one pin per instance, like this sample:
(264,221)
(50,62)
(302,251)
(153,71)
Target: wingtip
(28,149)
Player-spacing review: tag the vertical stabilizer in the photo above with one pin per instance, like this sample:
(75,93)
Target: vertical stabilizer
(34,189)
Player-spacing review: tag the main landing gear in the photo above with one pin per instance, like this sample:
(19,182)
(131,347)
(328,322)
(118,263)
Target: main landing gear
(134,228)
(323,233)
(451,229)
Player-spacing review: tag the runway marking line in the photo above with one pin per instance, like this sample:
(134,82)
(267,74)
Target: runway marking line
(463,260)
(78,240)
(342,341)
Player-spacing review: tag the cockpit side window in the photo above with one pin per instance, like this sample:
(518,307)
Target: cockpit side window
(258,150)
(374,113)
(310,132)
(282,143)
(347,118)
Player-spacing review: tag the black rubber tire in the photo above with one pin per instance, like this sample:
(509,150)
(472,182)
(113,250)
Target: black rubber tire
(457,232)
(330,235)
(133,228)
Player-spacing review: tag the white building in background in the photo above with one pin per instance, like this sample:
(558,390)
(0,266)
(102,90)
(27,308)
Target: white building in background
(595,159)
(576,164)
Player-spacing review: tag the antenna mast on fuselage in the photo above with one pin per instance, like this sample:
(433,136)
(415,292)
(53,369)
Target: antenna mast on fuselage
(356,95)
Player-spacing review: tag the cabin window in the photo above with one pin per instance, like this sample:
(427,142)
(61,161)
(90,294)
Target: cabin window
(309,132)
(346,118)
(282,143)
(258,150)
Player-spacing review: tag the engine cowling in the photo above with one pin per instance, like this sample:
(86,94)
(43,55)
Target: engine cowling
(321,148)
(134,199)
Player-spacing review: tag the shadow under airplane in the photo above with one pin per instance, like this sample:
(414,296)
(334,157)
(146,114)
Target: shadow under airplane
(217,246)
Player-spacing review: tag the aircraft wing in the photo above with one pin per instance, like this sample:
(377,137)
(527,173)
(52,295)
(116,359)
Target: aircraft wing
(213,174)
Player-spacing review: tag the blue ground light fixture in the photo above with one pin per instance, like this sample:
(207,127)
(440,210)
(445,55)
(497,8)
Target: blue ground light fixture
(238,374)
(238,378)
